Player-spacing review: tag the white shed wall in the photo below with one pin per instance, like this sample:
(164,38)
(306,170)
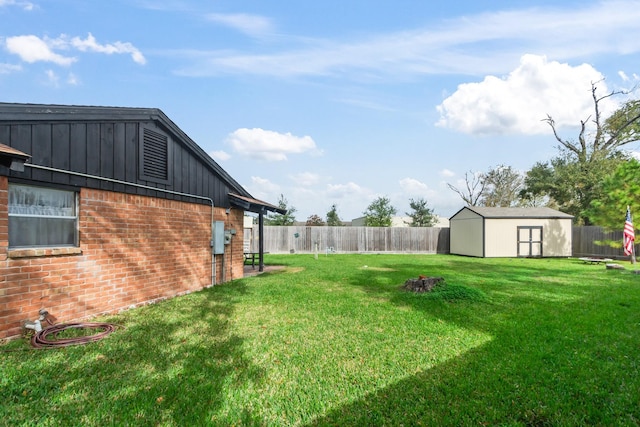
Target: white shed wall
(501,236)
(466,234)
(558,238)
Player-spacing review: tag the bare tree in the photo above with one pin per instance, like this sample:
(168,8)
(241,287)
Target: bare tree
(609,135)
(574,178)
(502,187)
(475,183)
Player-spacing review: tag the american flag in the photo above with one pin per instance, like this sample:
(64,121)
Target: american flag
(628,235)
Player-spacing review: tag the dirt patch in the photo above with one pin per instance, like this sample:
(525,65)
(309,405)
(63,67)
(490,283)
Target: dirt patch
(249,272)
(366,267)
(422,284)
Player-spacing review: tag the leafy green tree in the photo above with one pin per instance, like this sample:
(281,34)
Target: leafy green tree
(287,218)
(314,220)
(623,126)
(538,182)
(333,219)
(568,184)
(573,179)
(502,187)
(619,190)
(421,215)
(379,213)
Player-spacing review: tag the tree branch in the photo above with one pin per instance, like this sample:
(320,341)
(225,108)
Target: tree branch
(613,139)
(569,146)
(473,193)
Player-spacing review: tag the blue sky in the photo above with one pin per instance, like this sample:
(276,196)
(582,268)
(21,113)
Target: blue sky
(334,102)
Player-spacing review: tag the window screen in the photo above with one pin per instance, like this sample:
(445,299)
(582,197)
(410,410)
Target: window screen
(41,216)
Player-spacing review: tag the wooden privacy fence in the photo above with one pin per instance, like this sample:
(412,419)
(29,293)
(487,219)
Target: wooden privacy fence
(304,239)
(278,239)
(584,243)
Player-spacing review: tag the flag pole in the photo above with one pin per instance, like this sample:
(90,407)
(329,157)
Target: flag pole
(633,255)
(633,246)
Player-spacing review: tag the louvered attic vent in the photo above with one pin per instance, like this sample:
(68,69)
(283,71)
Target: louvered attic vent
(154,156)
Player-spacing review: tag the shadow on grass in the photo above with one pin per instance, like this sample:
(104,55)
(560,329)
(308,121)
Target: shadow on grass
(558,352)
(523,279)
(167,365)
(565,354)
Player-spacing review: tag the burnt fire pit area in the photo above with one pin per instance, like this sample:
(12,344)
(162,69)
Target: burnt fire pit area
(422,283)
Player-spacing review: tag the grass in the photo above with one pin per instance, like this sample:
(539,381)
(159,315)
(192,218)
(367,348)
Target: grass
(336,341)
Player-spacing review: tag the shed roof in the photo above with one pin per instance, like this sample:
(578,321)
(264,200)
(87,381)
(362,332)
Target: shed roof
(536,212)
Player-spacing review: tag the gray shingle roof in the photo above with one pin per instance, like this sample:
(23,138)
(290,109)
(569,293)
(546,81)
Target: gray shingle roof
(537,212)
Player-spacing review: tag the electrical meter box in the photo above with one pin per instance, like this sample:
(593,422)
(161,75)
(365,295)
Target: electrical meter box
(228,234)
(218,237)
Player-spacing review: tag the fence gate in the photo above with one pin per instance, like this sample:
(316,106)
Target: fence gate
(530,241)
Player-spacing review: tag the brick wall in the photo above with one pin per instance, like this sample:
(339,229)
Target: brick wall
(133,250)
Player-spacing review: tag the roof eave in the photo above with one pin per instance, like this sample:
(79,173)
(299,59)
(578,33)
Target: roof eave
(250,204)
(12,158)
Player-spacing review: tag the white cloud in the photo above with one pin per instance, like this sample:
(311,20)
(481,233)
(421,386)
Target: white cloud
(264,185)
(447,173)
(220,155)
(413,187)
(52,78)
(369,105)
(339,191)
(9,68)
(517,103)
(269,145)
(252,25)
(26,5)
(306,179)
(264,189)
(91,45)
(480,44)
(33,49)
(72,79)
(351,199)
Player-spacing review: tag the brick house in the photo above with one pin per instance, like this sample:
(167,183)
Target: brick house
(106,208)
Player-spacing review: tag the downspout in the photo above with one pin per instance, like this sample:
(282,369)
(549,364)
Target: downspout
(224,267)
(147,187)
(261,240)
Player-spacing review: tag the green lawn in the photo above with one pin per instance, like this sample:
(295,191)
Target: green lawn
(337,341)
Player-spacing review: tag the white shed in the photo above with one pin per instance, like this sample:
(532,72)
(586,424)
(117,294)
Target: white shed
(510,232)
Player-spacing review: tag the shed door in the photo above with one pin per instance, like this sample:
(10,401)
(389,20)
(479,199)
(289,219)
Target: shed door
(530,241)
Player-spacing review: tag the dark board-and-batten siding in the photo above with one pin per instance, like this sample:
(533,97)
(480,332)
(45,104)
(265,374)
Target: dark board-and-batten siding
(110,149)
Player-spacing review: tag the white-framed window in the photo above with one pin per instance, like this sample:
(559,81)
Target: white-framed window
(42,217)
